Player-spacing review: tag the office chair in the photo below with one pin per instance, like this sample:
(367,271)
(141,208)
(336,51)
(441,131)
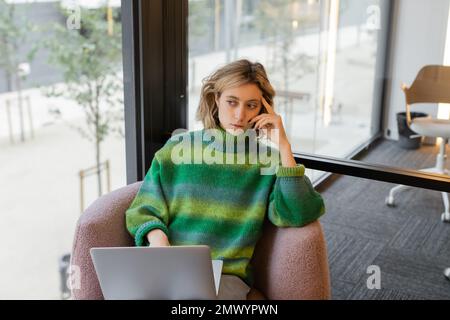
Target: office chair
(289,263)
(432,85)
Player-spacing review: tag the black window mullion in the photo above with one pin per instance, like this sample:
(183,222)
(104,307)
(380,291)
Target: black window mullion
(152,61)
(175,66)
(130,13)
(154,47)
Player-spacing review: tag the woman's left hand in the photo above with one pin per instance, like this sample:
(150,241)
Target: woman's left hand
(269,121)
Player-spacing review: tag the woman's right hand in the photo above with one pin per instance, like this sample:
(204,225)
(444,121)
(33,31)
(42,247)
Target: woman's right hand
(157,238)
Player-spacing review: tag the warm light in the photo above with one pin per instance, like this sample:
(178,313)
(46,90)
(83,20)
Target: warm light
(331,61)
(110,20)
(294,24)
(444,111)
(444,108)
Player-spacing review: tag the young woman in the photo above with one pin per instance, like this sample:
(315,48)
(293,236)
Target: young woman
(223,203)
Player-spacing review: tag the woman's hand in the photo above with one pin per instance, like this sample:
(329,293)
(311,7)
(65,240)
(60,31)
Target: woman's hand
(269,121)
(157,238)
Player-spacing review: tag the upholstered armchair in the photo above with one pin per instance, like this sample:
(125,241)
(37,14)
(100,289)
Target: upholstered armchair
(289,263)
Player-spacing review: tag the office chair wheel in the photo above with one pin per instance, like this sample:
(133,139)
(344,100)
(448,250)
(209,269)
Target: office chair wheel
(390,201)
(445,217)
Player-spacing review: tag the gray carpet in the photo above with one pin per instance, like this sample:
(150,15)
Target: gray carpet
(409,243)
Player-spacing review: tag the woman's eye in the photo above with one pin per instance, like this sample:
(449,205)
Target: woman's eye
(252,106)
(231,103)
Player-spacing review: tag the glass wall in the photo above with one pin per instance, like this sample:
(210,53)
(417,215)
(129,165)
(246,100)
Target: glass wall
(61,133)
(321,56)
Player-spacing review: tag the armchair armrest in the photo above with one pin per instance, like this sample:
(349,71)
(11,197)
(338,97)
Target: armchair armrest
(292,264)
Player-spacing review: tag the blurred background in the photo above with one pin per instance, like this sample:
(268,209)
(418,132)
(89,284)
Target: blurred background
(336,65)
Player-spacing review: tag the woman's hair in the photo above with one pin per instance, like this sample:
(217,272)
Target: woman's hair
(232,75)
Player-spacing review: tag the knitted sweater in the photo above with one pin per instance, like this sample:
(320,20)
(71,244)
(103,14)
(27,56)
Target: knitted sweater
(222,205)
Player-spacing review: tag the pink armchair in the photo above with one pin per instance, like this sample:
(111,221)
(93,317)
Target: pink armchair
(290,263)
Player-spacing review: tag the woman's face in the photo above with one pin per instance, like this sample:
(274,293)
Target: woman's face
(237,106)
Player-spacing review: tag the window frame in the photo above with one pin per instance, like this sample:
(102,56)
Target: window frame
(155,55)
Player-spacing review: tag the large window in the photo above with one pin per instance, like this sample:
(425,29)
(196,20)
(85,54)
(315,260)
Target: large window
(321,56)
(61,133)
(62,139)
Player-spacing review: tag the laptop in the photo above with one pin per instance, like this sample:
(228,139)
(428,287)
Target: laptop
(157,273)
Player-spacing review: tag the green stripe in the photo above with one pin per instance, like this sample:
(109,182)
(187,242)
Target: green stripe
(204,209)
(228,196)
(248,175)
(212,240)
(218,234)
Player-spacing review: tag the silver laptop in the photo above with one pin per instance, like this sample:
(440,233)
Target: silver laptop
(169,273)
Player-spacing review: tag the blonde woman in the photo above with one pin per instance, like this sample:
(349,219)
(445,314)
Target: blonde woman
(223,203)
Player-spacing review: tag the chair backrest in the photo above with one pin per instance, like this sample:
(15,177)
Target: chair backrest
(432,85)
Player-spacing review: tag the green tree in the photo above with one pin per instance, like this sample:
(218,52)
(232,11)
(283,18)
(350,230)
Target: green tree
(90,60)
(200,24)
(14,31)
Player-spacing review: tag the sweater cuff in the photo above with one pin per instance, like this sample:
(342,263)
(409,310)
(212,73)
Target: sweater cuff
(297,171)
(141,234)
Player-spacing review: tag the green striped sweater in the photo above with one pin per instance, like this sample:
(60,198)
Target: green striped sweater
(221,204)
